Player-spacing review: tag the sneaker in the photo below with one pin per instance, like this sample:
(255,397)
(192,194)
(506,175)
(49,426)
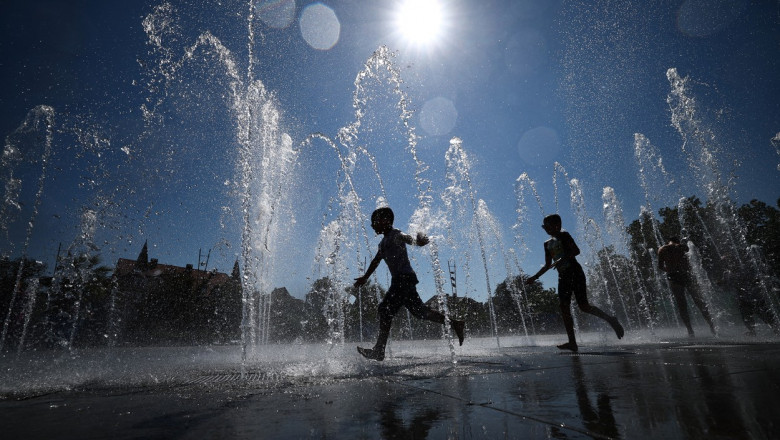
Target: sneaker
(618,328)
(370,353)
(458,326)
(569,346)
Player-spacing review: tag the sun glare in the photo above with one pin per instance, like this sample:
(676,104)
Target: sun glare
(420,22)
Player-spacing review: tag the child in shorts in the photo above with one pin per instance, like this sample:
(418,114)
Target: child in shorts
(402,291)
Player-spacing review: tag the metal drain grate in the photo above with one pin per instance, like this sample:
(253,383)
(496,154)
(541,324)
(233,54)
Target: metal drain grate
(234,377)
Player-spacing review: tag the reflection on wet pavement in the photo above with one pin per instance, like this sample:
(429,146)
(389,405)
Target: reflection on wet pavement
(658,390)
(597,418)
(392,417)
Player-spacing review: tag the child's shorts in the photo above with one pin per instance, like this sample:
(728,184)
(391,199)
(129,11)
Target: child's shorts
(402,292)
(572,282)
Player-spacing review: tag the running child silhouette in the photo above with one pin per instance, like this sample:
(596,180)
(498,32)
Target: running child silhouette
(402,291)
(559,253)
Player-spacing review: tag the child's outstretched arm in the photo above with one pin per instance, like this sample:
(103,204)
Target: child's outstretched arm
(548,264)
(371,268)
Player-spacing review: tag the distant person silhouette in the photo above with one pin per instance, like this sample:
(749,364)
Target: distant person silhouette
(750,299)
(673,260)
(560,252)
(402,291)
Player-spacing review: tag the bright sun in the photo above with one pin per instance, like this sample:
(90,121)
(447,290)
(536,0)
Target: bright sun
(420,22)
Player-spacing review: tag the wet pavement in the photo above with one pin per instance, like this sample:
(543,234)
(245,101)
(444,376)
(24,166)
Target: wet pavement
(659,389)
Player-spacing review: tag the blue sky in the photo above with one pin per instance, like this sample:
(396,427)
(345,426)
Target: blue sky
(523,85)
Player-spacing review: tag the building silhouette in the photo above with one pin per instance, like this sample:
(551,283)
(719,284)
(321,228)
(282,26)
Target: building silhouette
(161,304)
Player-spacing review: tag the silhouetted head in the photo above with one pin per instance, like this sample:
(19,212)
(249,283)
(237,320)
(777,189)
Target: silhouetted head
(384,213)
(552,223)
(552,220)
(382,220)
(674,239)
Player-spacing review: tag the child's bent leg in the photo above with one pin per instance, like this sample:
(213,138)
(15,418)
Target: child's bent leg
(682,306)
(565,291)
(387,310)
(386,314)
(568,321)
(585,306)
(435,316)
(595,311)
(378,352)
(417,308)
(420,311)
(702,305)
(459,326)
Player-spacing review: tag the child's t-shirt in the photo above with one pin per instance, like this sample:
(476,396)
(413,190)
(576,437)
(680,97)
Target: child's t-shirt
(392,249)
(561,246)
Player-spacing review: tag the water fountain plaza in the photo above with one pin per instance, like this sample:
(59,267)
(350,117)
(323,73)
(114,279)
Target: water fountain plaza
(273,192)
(673,388)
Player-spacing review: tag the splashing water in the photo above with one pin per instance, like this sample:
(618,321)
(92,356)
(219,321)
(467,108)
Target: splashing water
(523,184)
(268,162)
(40,119)
(702,150)
(616,229)
(460,192)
